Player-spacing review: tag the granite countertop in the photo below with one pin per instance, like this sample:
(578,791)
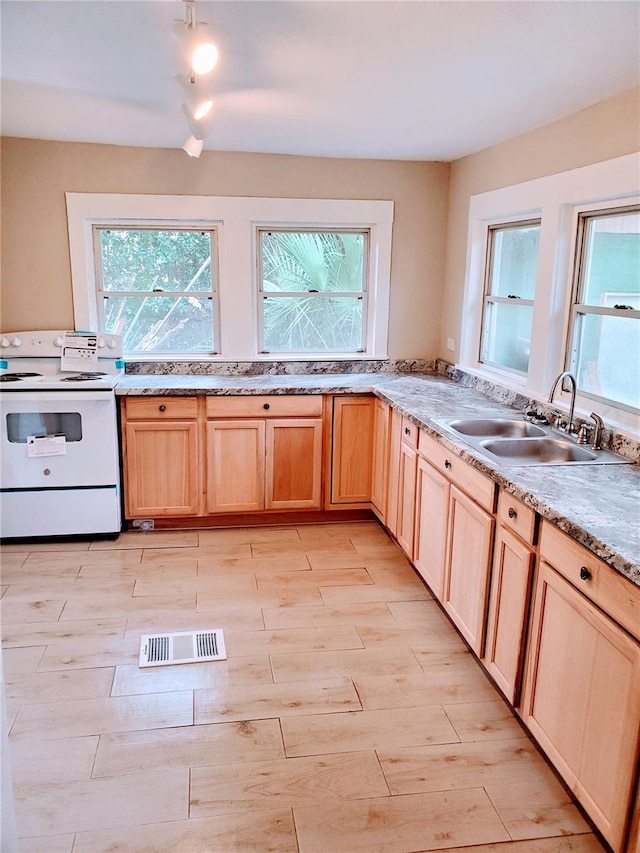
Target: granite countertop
(598,505)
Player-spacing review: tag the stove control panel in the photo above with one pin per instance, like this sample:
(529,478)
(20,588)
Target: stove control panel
(49,344)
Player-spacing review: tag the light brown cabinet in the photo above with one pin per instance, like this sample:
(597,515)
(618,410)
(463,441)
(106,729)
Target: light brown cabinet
(431,514)
(582,701)
(407,486)
(161,453)
(511,579)
(380,461)
(352,451)
(454,536)
(395,433)
(257,463)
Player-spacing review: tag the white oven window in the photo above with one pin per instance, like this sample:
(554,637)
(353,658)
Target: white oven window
(20,425)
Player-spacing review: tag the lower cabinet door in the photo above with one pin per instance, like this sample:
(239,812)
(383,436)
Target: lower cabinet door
(432,509)
(294,463)
(406,498)
(508,607)
(235,466)
(582,700)
(162,476)
(470,540)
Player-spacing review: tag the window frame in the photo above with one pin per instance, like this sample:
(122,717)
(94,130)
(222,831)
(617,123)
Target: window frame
(212,294)
(235,219)
(579,307)
(360,294)
(558,200)
(491,299)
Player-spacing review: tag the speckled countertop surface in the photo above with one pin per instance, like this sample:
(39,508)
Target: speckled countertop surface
(598,505)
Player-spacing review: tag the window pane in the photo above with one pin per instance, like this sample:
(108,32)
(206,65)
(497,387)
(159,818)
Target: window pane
(312,261)
(148,260)
(612,261)
(161,324)
(607,359)
(514,261)
(506,340)
(299,323)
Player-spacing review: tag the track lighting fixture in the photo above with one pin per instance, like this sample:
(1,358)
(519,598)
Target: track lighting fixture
(193,147)
(202,56)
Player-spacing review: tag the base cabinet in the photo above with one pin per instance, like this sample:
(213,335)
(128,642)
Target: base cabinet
(454,536)
(235,466)
(380,461)
(405,520)
(258,465)
(510,597)
(432,511)
(466,582)
(161,451)
(352,450)
(582,700)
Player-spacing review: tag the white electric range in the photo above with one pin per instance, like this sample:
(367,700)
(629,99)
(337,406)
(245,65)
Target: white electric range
(59,453)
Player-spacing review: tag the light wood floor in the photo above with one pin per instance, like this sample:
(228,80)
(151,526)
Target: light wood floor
(348,717)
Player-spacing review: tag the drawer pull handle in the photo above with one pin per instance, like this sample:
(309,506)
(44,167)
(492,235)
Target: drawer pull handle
(512,512)
(266,406)
(447,464)
(585,574)
(162,408)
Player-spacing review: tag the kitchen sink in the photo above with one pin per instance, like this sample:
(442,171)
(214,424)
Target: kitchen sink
(518,442)
(549,451)
(502,427)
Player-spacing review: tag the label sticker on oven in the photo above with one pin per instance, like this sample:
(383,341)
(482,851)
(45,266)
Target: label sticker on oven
(46,445)
(79,351)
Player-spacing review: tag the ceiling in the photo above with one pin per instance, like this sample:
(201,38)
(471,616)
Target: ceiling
(398,79)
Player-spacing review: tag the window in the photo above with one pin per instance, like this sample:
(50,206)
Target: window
(233,279)
(312,290)
(156,288)
(512,263)
(553,283)
(604,351)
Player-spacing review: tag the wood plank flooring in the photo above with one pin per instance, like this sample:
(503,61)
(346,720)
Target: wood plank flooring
(348,717)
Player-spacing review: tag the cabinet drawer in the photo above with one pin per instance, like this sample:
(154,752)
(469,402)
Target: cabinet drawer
(517,517)
(265,406)
(409,433)
(147,408)
(476,485)
(613,593)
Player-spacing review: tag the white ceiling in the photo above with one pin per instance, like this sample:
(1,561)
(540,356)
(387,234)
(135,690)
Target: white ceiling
(416,79)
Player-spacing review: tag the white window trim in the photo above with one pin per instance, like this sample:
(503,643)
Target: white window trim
(557,200)
(236,220)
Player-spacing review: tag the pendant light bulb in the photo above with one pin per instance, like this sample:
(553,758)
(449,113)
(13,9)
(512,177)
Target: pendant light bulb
(204,58)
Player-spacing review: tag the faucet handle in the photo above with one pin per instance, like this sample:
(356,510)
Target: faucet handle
(597,432)
(583,434)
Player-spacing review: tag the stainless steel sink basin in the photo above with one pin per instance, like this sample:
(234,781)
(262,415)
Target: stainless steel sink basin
(518,442)
(550,451)
(503,427)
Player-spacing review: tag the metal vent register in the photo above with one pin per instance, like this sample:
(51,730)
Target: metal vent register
(185,647)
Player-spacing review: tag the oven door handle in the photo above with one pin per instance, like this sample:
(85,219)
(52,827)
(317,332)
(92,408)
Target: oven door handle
(33,395)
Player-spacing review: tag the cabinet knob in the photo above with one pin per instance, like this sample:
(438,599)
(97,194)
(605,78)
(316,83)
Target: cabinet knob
(46,472)
(266,406)
(512,513)
(447,464)
(407,430)
(585,574)
(162,408)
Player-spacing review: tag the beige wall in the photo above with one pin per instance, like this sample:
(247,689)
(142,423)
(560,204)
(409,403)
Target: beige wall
(607,130)
(36,279)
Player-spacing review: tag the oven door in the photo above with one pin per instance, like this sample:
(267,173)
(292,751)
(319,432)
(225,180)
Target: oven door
(80,446)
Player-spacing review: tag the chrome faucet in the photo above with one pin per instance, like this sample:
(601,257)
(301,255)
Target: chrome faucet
(596,442)
(560,378)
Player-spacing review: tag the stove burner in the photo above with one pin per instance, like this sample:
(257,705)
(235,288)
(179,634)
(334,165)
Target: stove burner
(16,377)
(82,377)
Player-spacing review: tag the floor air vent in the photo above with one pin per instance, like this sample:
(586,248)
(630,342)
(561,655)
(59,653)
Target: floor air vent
(185,647)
